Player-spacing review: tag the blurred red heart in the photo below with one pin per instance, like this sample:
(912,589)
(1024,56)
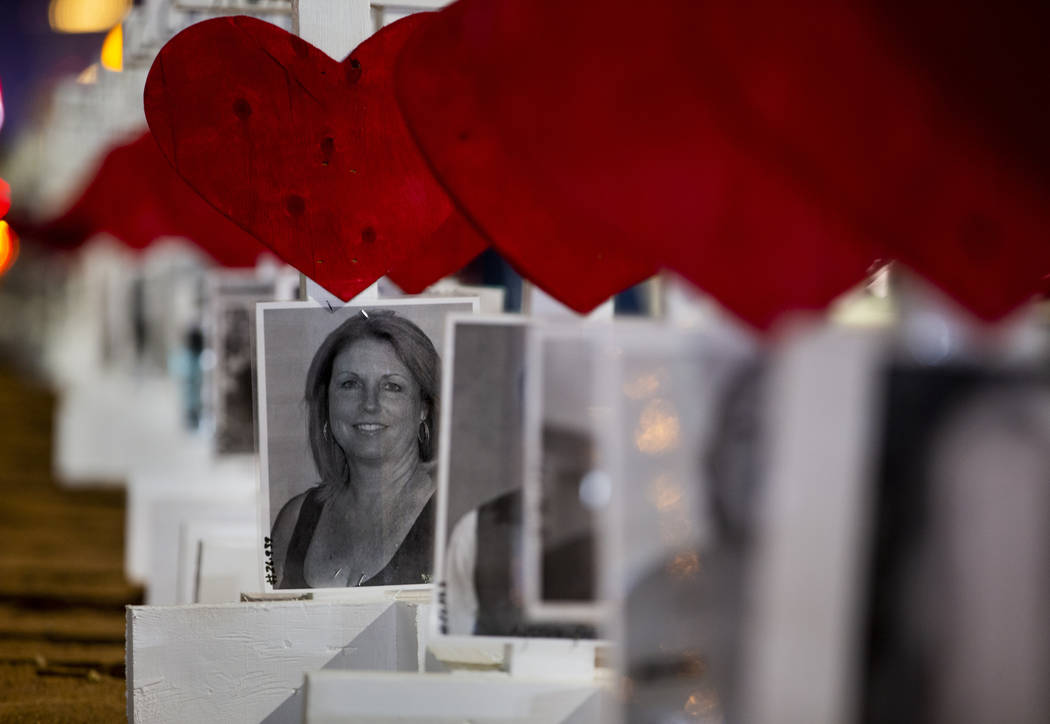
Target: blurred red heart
(308,154)
(769,152)
(5,197)
(136,197)
(922,124)
(599,155)
(450,247)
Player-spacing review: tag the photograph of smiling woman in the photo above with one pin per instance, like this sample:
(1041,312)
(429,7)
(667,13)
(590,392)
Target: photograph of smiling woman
(370,400)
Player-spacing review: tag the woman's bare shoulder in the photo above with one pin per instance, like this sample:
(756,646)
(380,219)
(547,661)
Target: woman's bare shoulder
(284,526)
(289,515)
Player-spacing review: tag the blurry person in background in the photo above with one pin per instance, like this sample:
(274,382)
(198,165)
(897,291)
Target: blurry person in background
(485,586)
(372,397)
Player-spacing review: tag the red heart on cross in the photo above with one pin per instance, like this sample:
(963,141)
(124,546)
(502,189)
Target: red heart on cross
(925,129)
(769,152)
(597,158)
(309,155)
(137,197)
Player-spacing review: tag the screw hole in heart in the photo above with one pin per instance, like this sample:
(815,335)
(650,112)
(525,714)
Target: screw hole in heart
(353,71)
(327,149)
(368,235)
(463,135)
(242,109)
(295,204)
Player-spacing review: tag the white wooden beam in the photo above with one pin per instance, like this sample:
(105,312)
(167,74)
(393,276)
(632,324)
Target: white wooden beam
(334,26)
(338,697)
(245,662)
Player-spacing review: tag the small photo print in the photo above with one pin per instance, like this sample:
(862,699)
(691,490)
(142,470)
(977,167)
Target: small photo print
(349,404)
(959,575)
(482,539)
(231,339)
(567,491)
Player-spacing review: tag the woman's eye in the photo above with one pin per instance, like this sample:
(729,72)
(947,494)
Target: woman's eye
(392,387)
(349,384)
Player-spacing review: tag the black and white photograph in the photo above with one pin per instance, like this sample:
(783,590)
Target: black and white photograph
(349,404)
(480,556)
(566,489)
(961,549)
(230,337)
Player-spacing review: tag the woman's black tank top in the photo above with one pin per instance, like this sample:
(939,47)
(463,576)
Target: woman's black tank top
(412,562)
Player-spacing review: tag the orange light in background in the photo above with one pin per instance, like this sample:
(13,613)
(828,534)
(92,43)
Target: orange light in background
(86,16)
(8,247)
(113,49)
(658,427)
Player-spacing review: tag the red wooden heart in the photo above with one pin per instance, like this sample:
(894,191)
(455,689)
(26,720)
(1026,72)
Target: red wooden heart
(307,154)
(926,128)
(505,188)
(598,155)
(770,153)
(451,247)
(136,197)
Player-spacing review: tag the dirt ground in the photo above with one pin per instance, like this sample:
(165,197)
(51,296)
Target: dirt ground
(62,587)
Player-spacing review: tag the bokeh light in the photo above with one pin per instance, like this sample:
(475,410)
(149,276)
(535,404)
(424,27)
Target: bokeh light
(113,49)
(658,427)
(86,16)
(8,247)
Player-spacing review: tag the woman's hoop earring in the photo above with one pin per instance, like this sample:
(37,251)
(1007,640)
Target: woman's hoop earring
(324,431)
(424,433)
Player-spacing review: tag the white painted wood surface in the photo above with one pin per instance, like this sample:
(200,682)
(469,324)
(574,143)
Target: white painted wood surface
(316,293)
(225,568)
(491,298)
(214,551)
(245,662)
(167,512)
(112,424)
(809,568)
(334,26)
(205,486)
(537,303)
(338,697)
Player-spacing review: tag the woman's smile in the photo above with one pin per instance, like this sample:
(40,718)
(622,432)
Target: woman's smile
(369,428)
(374,403)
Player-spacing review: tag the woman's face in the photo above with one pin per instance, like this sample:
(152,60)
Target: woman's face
(374,403)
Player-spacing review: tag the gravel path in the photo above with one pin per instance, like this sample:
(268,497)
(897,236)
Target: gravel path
(62,587)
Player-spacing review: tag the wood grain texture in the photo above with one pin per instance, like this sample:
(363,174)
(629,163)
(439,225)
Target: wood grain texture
(245,662)
(769,156)
(341,697)
(307,154)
